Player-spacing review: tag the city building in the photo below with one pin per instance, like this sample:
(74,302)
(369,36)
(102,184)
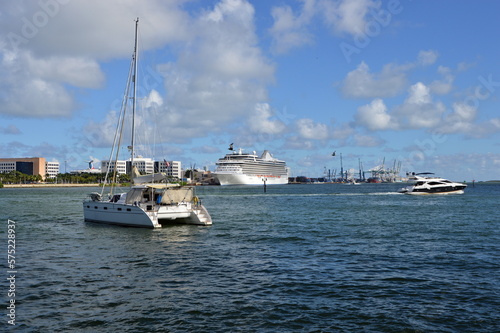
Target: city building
(52,169)
(30,166)
(145,166)
(171,168)
(121,167)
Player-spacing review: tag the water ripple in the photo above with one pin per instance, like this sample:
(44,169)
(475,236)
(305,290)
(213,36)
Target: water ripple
(320,258)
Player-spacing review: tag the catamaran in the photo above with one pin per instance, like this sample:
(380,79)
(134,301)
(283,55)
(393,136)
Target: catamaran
(147,204)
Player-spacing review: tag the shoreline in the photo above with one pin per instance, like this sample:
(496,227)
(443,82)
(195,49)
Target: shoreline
(48,185)
(99,185)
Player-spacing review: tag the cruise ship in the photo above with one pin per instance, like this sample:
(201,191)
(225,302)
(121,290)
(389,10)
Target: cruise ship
(238,168)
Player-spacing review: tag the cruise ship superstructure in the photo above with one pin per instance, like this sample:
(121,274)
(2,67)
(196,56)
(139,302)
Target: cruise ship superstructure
(238,168)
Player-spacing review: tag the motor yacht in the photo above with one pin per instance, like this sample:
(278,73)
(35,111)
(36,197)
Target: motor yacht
(423,183)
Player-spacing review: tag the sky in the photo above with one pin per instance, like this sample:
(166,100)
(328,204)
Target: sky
(377,82)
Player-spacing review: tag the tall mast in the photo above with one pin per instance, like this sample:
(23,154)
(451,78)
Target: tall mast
(134,97)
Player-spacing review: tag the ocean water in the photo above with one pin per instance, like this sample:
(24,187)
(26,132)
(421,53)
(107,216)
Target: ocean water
(298,258)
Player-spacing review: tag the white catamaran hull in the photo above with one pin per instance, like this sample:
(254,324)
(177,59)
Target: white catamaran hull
(243,179)
(119,214)
(135,216)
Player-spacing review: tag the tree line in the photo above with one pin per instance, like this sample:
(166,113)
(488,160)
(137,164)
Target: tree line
(16,177)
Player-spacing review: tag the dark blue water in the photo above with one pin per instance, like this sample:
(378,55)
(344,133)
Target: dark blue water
(299,258)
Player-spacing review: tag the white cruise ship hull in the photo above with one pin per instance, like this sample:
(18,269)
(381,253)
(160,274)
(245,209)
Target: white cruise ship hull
(243,179)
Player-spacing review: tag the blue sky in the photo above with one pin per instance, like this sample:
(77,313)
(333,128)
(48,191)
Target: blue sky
(412,81)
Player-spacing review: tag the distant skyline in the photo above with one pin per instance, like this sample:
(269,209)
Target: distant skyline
(411,81)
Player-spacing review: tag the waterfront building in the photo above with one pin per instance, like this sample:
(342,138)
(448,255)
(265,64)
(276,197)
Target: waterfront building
(30,166)
(145,166)
(170,168)
(52,169)
(120,166)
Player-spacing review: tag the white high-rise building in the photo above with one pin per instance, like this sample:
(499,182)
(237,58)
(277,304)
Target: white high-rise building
(52,169)
(145,166)
(121,167)
(171,168)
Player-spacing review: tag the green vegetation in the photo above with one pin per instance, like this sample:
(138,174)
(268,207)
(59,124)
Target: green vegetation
(16,177)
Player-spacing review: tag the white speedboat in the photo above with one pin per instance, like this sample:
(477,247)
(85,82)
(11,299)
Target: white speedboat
(238,168)
(424,184)
(146,205)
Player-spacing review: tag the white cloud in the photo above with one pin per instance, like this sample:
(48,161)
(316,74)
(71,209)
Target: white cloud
(226,43)
(78,72)
(343,131)
(308,129)
(445,85)
(38,69)
(361,140)
(347,16)
(361,83)
(428,57)
(154,99)
(260,121)
(290,30)
(298,142)
(10,129)
(462,112)
(219,76)
(419,110)
(101,134)
(463,120)
(34,97)
(393,79)
(90,29)
(418,94)
(374,116)
(30,90)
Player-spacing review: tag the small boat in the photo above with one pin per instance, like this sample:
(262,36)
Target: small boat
(147,204)
(425,184)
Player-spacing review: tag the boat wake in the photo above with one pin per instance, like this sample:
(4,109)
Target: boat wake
(302,194)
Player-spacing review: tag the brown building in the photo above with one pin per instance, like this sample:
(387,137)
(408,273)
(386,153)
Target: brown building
(29,166)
